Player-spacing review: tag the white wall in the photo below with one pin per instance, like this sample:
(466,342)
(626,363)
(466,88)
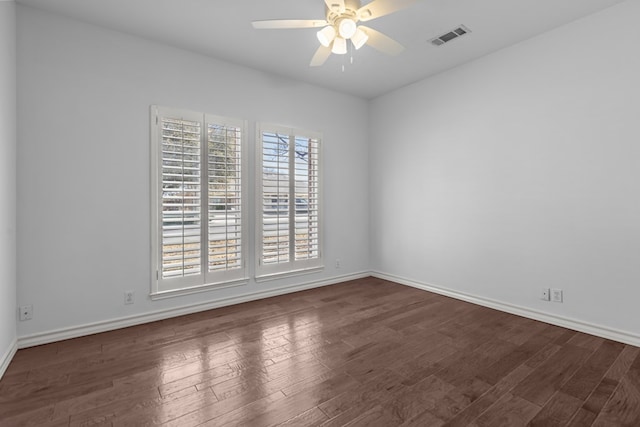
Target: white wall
(519,171)
(7,182)
(83,164)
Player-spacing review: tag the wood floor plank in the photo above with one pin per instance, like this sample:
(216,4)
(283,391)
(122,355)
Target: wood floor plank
(582,418)
(512,359)
(558,411)
(170,407)
(376,390)
(269,382)
(600,396)
(549,377)
(351,414)
(621,366)
(460,398)
(311,418)
(543,354)
(473,361)
(33,395)
(426,395)
(623,408)
(586,341)
(378,416)
(509,410)
(288,407)
(233,411)
(38,417)
(424,364)
(589,375)
(426,418)
(491,396)
(521,330)
(366,352)
(64,408)
(112,408)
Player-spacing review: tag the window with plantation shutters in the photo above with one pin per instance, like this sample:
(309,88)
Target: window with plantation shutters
(198,201)
(289,221)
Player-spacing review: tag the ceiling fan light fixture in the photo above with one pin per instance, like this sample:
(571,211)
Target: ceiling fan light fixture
(339,46)
(326,35)
(341,26)
(347,28)
(359,38)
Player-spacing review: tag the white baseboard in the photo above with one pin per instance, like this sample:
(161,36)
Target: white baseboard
(576,325)
(7,357)
(109,325)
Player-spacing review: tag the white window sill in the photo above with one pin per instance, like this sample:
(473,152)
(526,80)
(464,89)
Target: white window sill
(197,289)
(284,274)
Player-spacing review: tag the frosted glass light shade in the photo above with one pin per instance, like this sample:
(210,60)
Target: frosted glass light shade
(326,35)
(339,46)
(359,38)
(347,28)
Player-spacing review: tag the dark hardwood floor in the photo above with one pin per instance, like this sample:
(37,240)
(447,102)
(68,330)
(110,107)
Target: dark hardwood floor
(362,353)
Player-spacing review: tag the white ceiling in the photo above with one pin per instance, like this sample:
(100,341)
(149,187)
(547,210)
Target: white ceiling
(222,29)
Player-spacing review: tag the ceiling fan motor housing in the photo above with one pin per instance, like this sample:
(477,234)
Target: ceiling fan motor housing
(334,15)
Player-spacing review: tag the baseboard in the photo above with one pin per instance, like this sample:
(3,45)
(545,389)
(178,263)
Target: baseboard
(576,325)
(109,325)
(7,357)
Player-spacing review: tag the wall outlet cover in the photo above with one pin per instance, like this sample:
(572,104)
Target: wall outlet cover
(556,295)
(129,297)
(26,312)
(545,294)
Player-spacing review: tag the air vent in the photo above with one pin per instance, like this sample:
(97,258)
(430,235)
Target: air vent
(451,35)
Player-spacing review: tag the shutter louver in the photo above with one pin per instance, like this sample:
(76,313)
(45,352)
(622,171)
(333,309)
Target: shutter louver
(275,198)
(181,195)
(306,198)
(289,235)
(225,198)
(199,200)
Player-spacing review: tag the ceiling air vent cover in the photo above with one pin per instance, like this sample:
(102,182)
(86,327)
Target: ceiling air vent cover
(453,34)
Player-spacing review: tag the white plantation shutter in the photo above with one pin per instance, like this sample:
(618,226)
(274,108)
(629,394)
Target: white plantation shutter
(306,185)
(288,201)
(198,201)
(225,207)
(180,208)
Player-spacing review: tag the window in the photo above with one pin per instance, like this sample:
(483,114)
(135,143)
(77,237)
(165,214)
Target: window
(288,218)
(198,201)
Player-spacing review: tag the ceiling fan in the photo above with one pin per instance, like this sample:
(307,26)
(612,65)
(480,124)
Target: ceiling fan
(341,25)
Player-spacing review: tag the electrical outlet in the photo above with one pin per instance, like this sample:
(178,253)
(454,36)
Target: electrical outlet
(26,312)
(545,295)
(337,262)
(129,297)
(556,295)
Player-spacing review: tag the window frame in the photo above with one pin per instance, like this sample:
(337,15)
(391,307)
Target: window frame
(291,267)
(205,280)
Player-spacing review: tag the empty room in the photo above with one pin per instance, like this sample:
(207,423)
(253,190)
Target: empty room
(319,213)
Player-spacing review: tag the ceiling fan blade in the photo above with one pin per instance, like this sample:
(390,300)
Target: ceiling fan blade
(378,8)
(320,56)
(276,24)
(335,5)
(379,41)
